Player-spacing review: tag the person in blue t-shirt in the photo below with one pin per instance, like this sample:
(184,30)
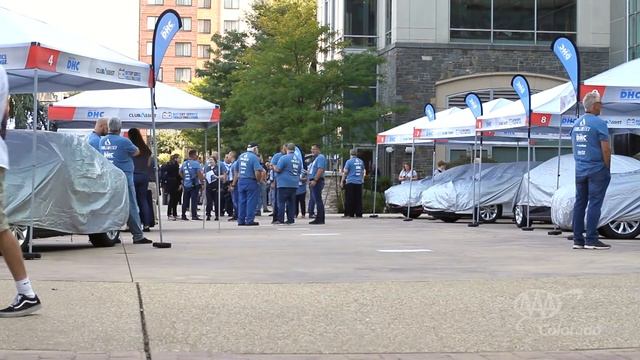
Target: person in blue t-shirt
(101,129)
(288,169)
(316,182)
(250,174)
(274,183)
(192,177)
(354,172)
(120,151)
(592,154)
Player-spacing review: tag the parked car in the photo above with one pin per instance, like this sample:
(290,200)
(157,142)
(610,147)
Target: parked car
(620,215)
(77,190)
(496,187)
(543,186)
(398,200)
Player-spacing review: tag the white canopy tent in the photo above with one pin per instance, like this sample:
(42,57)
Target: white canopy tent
(403,134)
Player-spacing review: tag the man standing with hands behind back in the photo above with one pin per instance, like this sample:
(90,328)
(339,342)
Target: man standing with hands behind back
(592,154)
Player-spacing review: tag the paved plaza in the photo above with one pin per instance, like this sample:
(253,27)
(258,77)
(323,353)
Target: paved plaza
(352,289)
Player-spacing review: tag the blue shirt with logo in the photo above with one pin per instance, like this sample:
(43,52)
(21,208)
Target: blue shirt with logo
(587,133)
(320,162)
(289,176)
(119,150)
(94,140)
(248,163)
(190,169)
(355,171)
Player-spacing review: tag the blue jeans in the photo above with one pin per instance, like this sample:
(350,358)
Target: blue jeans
(190,194)
(590,190)
(312,203)
(276,200)
(235,198)
(248,196)
(287,200)
(134,215)
(316,196)
(141,182)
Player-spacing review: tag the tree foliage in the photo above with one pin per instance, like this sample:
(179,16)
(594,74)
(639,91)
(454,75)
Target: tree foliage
(21,109)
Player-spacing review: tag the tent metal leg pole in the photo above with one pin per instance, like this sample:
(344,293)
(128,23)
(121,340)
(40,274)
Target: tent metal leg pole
(30,255)
(528,224)
(433,162)
(474,218)
(204,192)
(413,153)
(479,183)
(161,244)
(220,157)
(375,185)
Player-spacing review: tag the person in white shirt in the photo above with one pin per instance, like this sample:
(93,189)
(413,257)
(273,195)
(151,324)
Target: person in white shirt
(442,167)
(407,174)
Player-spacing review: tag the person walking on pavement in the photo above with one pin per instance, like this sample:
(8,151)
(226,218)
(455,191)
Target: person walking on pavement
(192,176)
(172,182)
(288,169)
(211,174)
(100,129)
(26,301)
(354,173)
(316,182)
(592,154)
(274,184)
(120,151)
(250,174)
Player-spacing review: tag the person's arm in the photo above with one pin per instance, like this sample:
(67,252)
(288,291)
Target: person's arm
(401,177)
(606,153)
(345,172)
(414,175)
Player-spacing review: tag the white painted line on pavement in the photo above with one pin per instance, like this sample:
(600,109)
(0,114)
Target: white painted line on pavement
(405,251)
(321,234)
(293,229)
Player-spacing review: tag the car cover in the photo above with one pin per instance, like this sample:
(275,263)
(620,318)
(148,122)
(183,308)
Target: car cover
(621,202)
(498,185)
(77,190)
(543,177)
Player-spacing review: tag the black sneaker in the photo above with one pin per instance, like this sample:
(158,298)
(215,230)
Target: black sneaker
(208,217)
(197,218)
(142,241)
(255,223)
(598,245)
(578,246)
(316,222)
(22,306)
(185,218)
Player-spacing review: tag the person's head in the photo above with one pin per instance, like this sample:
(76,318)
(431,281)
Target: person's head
(283,148)
(136,138)
(115,125)
(193,154)
(353,152)
(315,149)
(102,127)
(215,155)
(253,147)
(175,157)
(442,165)
(291,147)
(232,156)
(592,103)
(406,166)
(4,94)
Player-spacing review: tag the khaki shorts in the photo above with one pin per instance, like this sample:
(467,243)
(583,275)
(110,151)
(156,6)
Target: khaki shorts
(4,225)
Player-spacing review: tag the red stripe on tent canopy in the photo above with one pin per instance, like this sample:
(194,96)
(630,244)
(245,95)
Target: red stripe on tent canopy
(42,58)
(417,132)
(538,119)
(380,139)
(62,113)
(488,133)
(584,89)
(478,124)
(215,115)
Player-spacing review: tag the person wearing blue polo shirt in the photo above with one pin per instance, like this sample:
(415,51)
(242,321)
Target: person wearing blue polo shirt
(274,184)
(120,150)
(316,182)
(100,129)
(250,174)
(192,177)
(288,169)
(354,173)
(592,154)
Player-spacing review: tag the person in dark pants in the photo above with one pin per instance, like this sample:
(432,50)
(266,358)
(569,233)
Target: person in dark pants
(192,176)
(288,170)
(211,172)
(274,184)
(592,154)
(316,183)
(353,175)
(172,182)
(250,174)
(301,194)
(142,168)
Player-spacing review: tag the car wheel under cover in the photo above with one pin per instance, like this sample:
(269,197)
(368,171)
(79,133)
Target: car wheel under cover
(489,213)
(621,229)
(520,215)
(107,239)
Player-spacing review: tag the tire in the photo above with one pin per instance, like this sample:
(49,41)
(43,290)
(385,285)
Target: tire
(489,214)
(413,214)
(107,239)
(21,233)
(520,215)
(621,229)
(449,219)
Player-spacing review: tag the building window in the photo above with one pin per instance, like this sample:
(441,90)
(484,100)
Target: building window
(183,49)
(360,23)
(186,24)
(512,21)
(183,2)
(204,26)
(155,2)
(203,51)
(149,48)
(151,22)
(634,29)
(231,25)
(183,75)
(204,4)
(388,12)
(231,4)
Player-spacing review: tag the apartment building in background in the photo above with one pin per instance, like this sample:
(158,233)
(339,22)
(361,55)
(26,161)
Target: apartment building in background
(191,47)
(439,50)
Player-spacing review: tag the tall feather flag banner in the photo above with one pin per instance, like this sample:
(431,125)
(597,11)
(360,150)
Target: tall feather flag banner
(566,51)
(167,26)
(430,112)
(474,103)
(521,86)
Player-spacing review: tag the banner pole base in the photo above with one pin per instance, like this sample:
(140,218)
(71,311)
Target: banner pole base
(526,229)
(31,256)
(373,215)
(162,245)
(554,232)
(408,219)
(473,224)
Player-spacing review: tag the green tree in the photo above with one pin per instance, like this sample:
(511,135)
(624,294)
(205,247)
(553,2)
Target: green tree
(21,109)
